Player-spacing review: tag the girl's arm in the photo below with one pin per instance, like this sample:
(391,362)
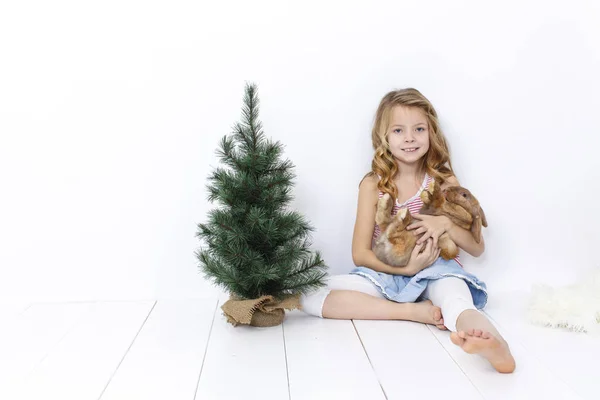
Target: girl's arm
(362,253)
(462,237)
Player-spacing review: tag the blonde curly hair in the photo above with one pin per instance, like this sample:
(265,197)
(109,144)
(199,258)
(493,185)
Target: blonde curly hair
(436,161)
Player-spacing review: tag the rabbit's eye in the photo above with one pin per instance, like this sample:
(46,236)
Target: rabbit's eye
(464,195)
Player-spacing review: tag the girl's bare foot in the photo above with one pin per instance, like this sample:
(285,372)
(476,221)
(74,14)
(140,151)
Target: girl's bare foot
(427,313)
(487,345)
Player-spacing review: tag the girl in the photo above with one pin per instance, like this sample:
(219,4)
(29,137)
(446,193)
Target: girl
(410,151)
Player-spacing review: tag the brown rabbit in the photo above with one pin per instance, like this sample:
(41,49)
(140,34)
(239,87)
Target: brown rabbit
(395,244)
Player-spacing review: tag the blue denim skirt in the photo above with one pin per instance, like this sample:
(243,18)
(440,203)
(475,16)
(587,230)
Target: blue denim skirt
(407,289)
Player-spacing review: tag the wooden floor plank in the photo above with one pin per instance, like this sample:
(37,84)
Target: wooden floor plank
(165,360)
(81,365)
(30,338)
(243,363)
(326,360)
(411,363)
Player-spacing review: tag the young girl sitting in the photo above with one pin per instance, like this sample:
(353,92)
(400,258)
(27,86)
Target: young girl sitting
(410,151)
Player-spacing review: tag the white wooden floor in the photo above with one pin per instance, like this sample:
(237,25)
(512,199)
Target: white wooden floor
(171,350)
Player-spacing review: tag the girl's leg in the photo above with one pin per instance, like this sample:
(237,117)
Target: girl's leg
(471,330)
(354,297)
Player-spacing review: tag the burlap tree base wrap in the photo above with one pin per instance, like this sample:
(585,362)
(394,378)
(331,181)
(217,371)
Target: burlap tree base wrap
(262,312)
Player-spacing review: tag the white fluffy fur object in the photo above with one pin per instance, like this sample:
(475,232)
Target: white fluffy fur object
(575,307)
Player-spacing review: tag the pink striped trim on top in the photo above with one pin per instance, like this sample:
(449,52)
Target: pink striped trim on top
(413,204)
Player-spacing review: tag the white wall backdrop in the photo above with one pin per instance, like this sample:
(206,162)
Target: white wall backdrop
(111,112)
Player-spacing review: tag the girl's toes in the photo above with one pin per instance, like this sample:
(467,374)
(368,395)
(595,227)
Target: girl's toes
(456,339)
(486,335)
(478,332)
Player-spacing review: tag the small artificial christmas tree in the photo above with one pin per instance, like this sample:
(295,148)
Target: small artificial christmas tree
(257,249)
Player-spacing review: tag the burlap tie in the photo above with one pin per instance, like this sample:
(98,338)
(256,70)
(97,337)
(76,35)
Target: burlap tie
(262,312)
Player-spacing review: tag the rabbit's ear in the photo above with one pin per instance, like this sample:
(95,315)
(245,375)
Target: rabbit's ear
(483,218)
(476,228)
(426,197)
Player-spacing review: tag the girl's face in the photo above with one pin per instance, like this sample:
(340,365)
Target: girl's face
(408,134)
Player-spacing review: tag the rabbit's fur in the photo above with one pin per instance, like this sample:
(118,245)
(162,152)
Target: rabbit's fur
(395,244)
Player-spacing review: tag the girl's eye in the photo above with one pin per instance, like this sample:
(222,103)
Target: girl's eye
(397,130)
(420,129)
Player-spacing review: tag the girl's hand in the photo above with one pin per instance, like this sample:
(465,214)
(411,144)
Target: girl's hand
(430,226)
(421,260)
